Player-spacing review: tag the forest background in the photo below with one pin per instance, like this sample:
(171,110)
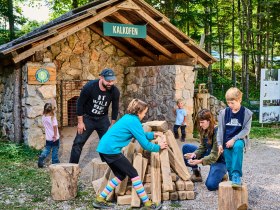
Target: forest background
(244,35)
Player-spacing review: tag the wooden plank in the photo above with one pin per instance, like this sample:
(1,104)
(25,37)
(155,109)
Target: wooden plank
(180,169)
(185,62)
(149,39)
(31,72)
(98,168)
(157,125)
(137,164)
(134,43)
(65,34)
(144,167)
(171,37)
(52,30)
(115,43)
(172,143)
(129,151)
(104,181)
(155,177)
(165,170)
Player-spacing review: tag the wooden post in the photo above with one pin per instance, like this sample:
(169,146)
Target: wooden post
(232,198)
(17,104)
(64,178)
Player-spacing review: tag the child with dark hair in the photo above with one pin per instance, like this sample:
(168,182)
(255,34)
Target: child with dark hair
(52,136)
(111,144)
(206,153)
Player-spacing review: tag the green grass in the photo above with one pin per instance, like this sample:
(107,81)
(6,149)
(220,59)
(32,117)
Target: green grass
(24,186)
(263,131)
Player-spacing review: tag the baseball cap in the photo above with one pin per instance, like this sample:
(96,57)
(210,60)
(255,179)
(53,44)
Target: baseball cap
(108,74)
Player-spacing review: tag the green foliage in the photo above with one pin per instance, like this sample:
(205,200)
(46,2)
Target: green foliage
(24,186)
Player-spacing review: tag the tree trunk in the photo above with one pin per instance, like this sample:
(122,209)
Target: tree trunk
(11,19)
(75,4)
(232,45)
(64,177)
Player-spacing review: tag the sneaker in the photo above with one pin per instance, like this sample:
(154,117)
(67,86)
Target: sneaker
(196,176)
(41,162)
(151,205)
(236,180)
(101,203)
(176,136)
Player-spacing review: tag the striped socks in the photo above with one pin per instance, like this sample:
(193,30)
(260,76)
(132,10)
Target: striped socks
(138,186)
(110,187)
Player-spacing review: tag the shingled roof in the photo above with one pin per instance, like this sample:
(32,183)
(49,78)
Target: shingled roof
(164,44)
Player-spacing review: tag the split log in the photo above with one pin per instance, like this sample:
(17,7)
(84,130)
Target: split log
(96,184)
(165,170)
(232,198)
(137,164)
(189,186)
(144,167)
(155,177)
(190,195)
(105,180)
(99,168)
(64,178)
(124,200)
(157,125)
(174,196)
(165,196)
(182,195)
(180,169)
(111,195)
(180,185)
(172,143)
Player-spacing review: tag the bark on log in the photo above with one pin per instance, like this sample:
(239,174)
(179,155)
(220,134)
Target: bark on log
(232,198)
(64,178)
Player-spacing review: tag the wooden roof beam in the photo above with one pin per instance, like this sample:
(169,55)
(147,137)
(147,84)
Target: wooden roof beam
(138,46)
(67,33)
(183,61)
(150,40)
(115,42)
(171,37)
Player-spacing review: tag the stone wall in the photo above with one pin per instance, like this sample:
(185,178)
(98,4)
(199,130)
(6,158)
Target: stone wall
(161,87)
(6,102)
(216,105)
(33,100)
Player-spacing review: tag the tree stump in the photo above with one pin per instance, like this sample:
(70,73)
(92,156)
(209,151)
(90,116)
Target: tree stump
(64,178)
(232,198)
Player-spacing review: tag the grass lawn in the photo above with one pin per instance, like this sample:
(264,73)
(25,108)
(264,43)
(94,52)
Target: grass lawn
(24,186)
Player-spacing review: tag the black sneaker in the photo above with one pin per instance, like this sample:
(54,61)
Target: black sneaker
(41,162)
(101,204)
(154,206)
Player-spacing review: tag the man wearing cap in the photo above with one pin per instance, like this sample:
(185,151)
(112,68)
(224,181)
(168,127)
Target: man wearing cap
(92,110)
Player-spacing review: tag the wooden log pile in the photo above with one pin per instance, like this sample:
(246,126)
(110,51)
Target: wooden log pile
(164,174)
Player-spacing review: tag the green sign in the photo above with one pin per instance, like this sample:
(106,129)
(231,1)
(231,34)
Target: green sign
(124,30)
(42,75)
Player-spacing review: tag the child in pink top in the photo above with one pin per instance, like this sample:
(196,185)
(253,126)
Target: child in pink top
(52,136)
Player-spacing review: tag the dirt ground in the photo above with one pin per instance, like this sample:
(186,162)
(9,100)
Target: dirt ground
(261,173)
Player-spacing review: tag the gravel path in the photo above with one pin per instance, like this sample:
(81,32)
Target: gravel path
(261,173)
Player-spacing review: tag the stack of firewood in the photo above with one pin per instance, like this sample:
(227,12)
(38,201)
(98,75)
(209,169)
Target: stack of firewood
(164,174)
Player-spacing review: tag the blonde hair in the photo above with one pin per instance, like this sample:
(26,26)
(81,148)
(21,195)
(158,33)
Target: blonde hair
(179,101)
(233,94)
(136,106)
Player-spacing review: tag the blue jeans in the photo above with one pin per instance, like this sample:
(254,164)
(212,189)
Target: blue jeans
(183,130)
(234,157)
(100,124)
(216,173)
(53,147)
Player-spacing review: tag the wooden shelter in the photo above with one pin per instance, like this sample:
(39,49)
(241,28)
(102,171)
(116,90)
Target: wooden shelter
(67,48)
(164,44)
